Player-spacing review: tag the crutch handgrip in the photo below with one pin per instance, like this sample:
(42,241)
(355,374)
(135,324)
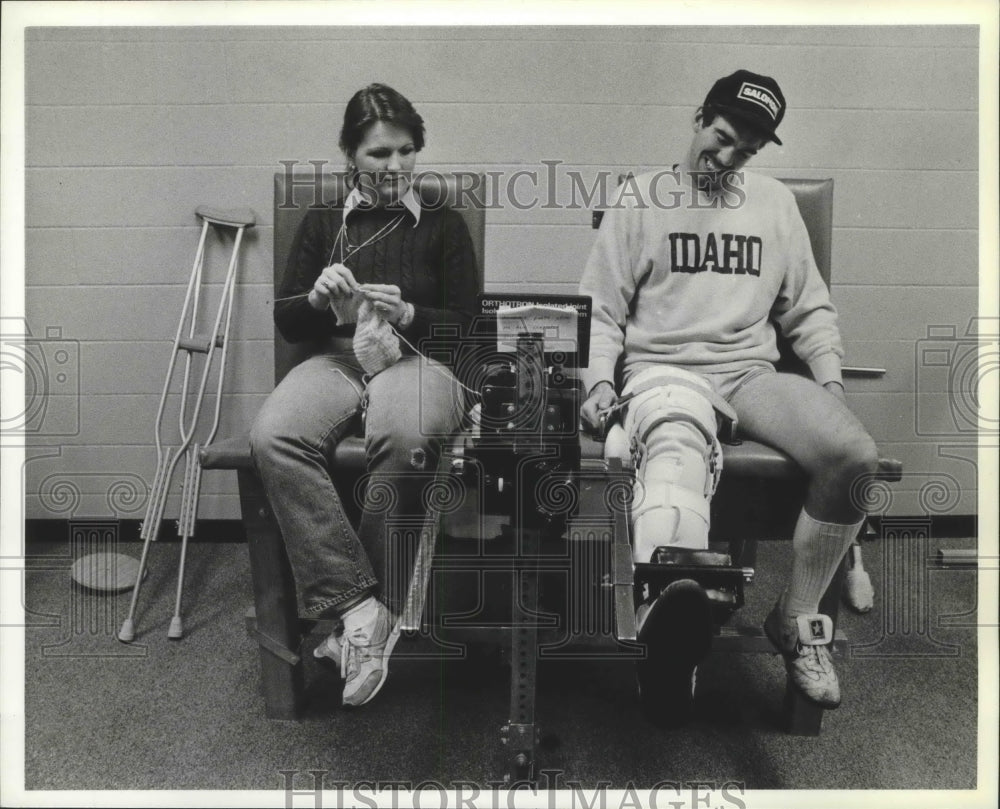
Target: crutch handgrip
(199,343)
(229,217)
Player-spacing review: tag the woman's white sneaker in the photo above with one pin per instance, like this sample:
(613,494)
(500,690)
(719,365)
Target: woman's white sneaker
(370,634)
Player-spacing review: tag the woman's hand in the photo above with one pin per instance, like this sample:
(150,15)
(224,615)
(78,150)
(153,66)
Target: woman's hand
(336,282)
(388,302)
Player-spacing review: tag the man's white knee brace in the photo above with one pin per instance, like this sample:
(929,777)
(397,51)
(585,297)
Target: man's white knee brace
(671,428)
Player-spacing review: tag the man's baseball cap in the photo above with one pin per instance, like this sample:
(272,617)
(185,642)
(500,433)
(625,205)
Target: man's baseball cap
(754,99)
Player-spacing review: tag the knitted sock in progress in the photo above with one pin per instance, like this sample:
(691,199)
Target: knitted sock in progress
(376,345)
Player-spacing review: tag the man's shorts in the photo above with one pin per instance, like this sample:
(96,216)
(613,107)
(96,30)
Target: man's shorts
(724,383)
(728,383)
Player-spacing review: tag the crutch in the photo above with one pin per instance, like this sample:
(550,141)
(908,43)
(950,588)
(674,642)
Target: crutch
(167,458)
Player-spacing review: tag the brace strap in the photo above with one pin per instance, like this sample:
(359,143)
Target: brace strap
(814,630)
(721,406)
(638,449)
(644,428)
(672,495)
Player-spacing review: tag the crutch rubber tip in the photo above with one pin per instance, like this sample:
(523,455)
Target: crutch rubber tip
(176,630)
(127,633)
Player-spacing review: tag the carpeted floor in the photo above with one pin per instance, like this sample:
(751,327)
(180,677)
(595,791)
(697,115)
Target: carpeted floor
(187,714)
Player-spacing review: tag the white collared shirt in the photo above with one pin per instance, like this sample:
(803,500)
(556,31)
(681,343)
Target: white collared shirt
(409,200)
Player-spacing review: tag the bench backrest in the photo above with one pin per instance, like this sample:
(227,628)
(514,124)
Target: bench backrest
(815,201)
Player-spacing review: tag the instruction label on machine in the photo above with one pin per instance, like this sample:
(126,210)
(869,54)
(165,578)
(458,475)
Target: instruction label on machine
(562,320)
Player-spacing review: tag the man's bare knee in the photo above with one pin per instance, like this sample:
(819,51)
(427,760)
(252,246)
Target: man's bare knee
(853,458)
(862,454)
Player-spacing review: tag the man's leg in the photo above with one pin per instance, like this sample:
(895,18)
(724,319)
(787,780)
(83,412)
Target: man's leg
(822,435)
(815,428)
(671,424)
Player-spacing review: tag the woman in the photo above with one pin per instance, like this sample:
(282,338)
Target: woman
(369,275)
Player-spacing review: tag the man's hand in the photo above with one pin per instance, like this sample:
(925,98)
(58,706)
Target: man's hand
(600,399)
(336,282)
(836,389)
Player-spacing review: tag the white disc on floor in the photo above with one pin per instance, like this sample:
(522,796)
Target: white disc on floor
(106,572)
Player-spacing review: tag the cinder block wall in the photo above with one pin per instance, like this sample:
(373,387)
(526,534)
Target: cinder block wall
(129,130)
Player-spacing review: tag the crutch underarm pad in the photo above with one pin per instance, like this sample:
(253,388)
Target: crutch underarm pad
(236,217)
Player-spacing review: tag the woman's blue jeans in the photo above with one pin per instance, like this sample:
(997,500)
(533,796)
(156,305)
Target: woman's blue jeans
(411,408)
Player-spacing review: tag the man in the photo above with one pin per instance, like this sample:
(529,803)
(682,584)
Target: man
(688,274)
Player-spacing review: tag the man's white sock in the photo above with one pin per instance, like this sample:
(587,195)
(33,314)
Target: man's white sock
(817,550)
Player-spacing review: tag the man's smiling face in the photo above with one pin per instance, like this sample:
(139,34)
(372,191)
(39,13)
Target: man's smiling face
(720,147)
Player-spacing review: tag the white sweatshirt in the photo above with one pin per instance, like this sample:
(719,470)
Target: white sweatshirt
(679,280)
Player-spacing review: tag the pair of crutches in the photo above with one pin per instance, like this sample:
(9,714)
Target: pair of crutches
(190,341)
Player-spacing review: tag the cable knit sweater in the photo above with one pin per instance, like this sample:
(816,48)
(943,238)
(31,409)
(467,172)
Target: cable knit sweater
(696,286)
(433,263)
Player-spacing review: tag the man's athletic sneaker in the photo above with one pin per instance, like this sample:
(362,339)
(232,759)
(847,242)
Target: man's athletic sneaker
(804,641)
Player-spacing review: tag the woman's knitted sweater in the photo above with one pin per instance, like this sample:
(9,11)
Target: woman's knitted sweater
(432,262)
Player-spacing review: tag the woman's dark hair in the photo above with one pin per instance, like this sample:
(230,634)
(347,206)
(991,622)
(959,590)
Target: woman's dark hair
(377,102)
